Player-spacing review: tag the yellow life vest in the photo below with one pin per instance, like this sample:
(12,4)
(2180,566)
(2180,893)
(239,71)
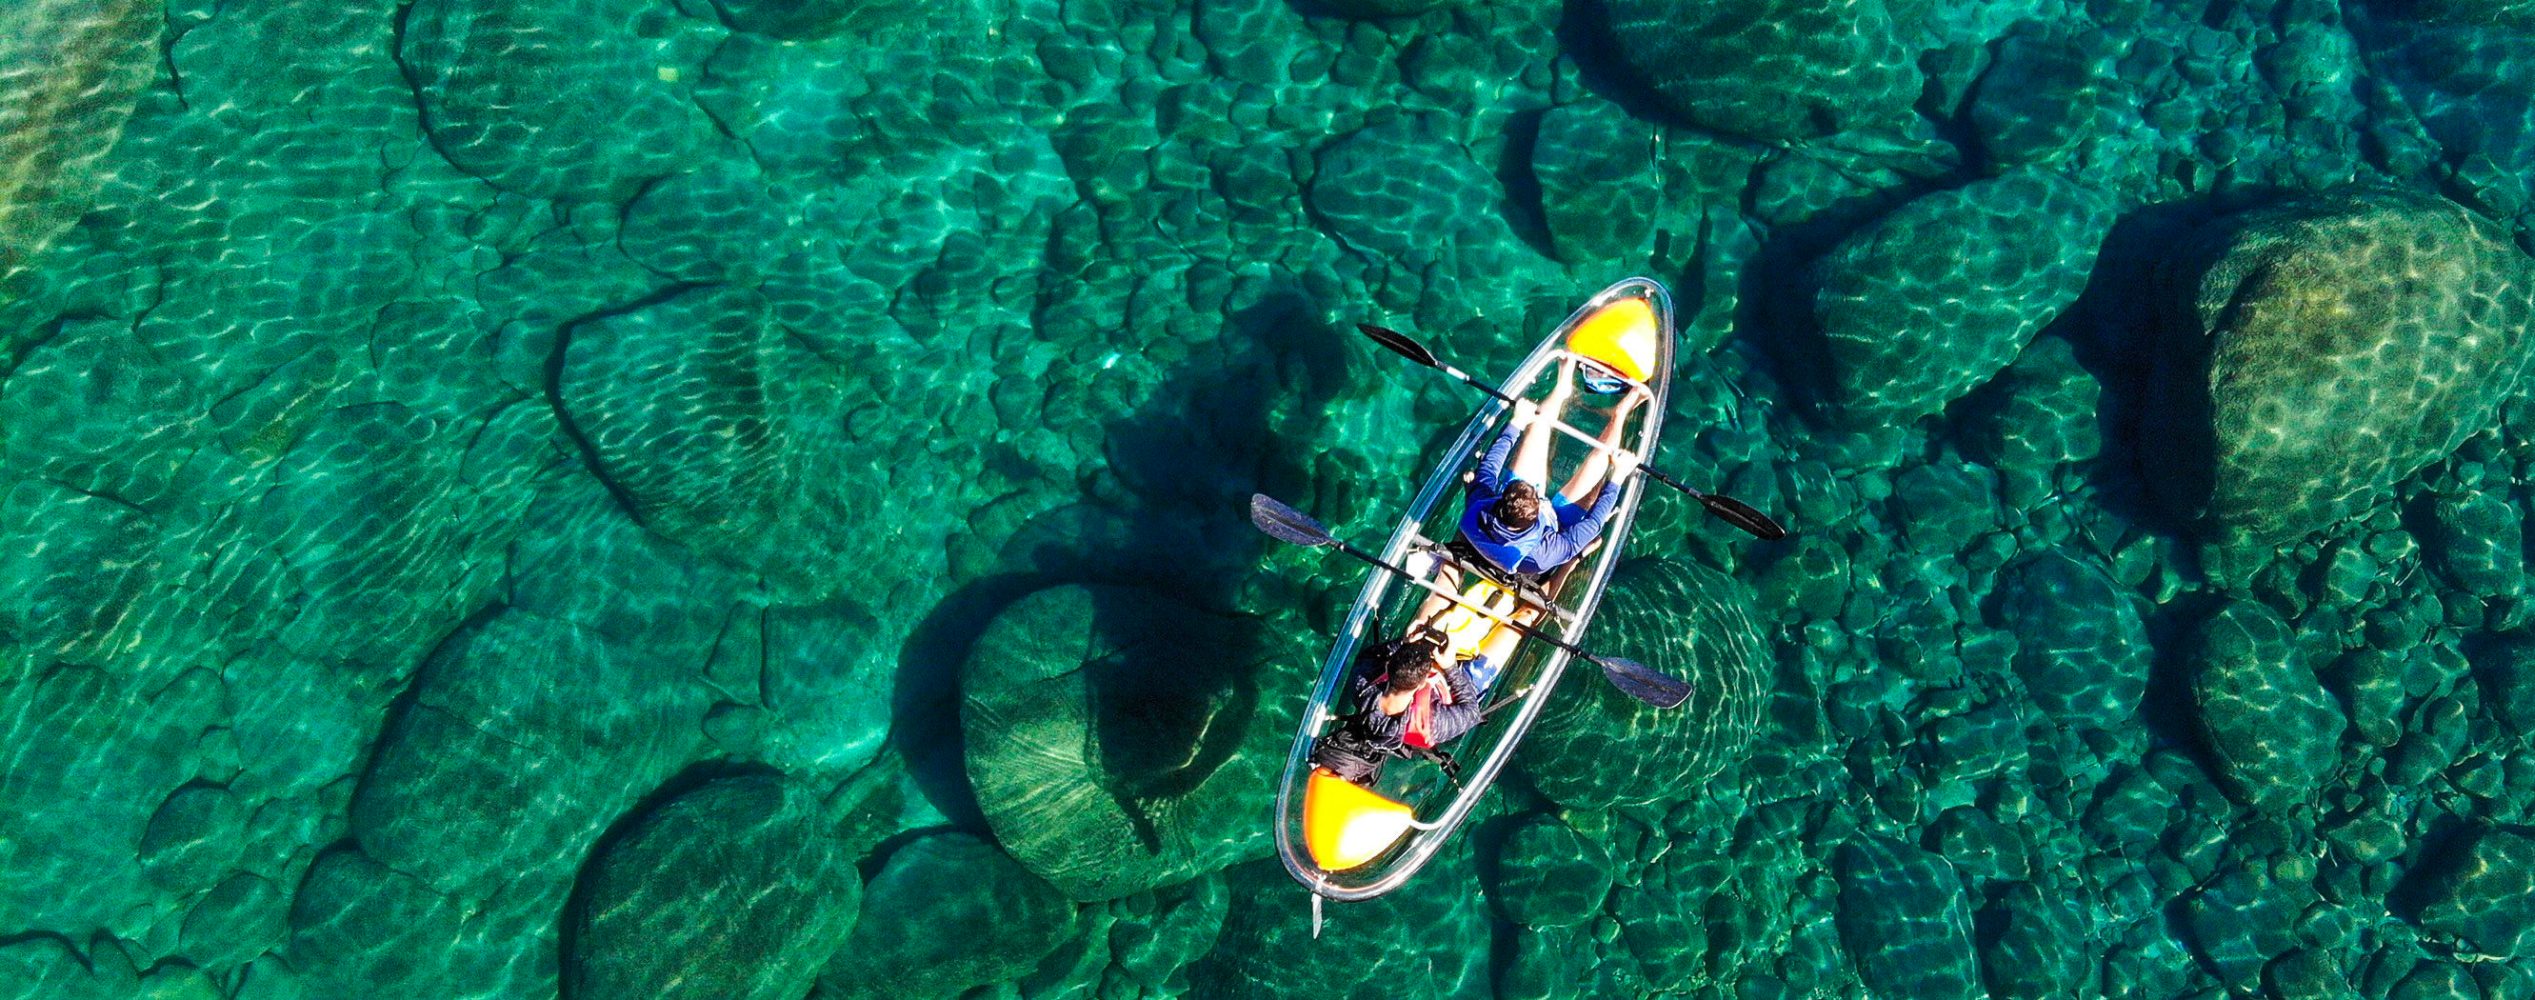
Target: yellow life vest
(1464,628)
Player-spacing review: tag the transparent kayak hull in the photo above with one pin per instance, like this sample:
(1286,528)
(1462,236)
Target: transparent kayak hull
(1345,843)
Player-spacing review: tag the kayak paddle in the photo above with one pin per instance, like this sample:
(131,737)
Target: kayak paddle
(1725,508)
(1282,522)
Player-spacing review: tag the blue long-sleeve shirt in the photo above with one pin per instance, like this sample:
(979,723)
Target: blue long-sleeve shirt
(1562,533)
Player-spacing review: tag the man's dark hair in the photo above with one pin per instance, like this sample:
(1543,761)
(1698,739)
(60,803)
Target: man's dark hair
(1413,659)
(1519,506)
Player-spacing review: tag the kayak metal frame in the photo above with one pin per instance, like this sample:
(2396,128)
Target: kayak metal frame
(1415,849)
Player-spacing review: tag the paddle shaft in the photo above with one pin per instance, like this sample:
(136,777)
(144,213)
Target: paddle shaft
(1446,593)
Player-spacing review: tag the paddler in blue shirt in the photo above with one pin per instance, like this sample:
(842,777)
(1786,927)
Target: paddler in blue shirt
(1506,524)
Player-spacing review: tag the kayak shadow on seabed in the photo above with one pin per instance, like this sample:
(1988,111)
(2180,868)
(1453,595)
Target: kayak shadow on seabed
(1158,545)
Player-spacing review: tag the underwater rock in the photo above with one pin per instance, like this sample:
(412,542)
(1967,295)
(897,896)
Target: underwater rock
(522,739)
(2327,348)
(2040,94)
(2480,544)
(672,402)
(1599,192)
(1903,917)
(1548,876)
(947,913)
(718,432)
(2243,919)
(796,19)
(45,967)
(1153,937)
(1115,739)
(2483,893)
(583,102)
(2036,950)
(2081,646)
(2308,972)
(1427,942)
(1371,8)
(2505,672)
(1405,188)
(713,223)
(2480,13)
(2050,417)
(731,890)
(193,840)
(1593,747)
(118,746)
(67,415)
(2275,730)
(70,71)
(1775,70)
(1552,963)
(359,928)
(79,571)
(1664,917)
(1930,301)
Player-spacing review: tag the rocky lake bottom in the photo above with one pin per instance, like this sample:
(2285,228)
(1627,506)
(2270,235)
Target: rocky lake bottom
(742,499)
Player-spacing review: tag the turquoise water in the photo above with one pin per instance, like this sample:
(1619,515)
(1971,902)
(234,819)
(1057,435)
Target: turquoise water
(743,498)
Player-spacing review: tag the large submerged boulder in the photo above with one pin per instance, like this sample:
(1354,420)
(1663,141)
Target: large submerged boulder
(1594,747)
(1776,70)
(2327,348)
(1934,299)
(1115,740)
(731,890)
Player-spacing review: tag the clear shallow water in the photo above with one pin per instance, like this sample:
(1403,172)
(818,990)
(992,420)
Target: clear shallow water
(645,499)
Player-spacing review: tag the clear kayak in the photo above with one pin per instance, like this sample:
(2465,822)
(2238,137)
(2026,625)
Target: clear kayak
(1349,842)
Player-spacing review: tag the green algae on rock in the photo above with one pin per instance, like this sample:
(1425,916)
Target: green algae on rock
(2326,348)
(1774,70)
(1593,747)
(730,891)
(2275,730)
(1115,741)
(945,914)
(1934,299)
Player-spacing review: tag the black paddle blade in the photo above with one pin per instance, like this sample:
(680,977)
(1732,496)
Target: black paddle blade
(1643,682)
(1741,515)
(1401,344)
(1284,523)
